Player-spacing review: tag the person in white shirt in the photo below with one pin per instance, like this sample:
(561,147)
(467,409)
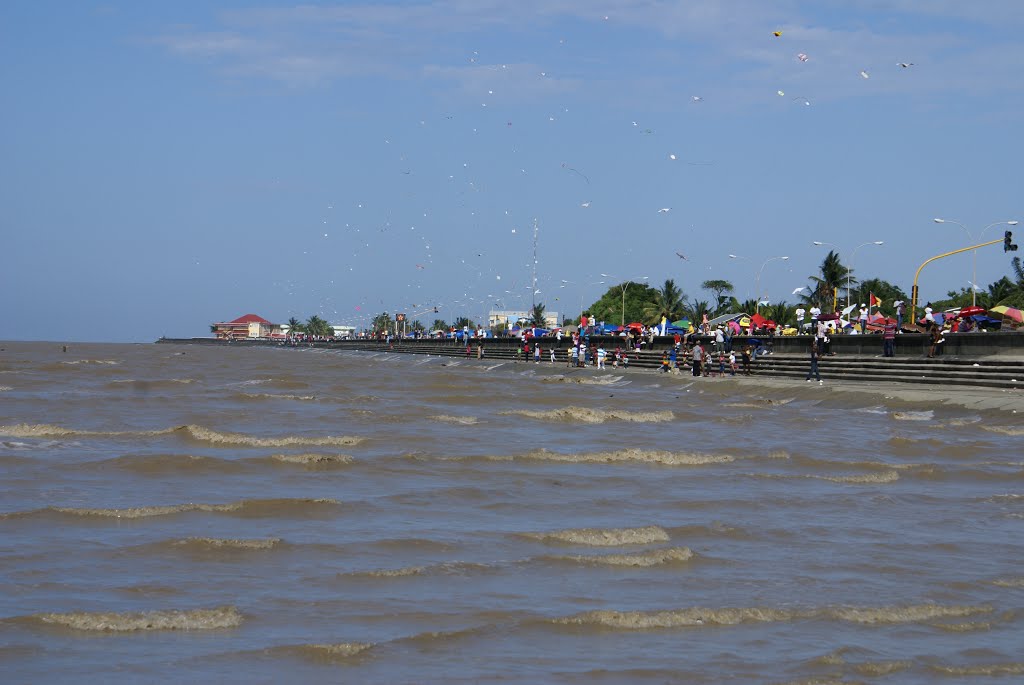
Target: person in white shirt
(800,311)
(815,313)
(863,319)
(928,316)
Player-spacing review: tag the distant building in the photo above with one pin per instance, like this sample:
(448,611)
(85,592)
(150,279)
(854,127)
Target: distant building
(343,331)
(510,318)
(248,326)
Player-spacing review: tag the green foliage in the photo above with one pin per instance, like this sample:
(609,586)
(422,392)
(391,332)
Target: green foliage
(417,326)
(883,290)
(382,323)
(537,316)
(439,325)
(610,307)
(696,309)
(317,326)
(667,302)
(464,322)
(295,326)
(781,313)
(831,275)
(722,291)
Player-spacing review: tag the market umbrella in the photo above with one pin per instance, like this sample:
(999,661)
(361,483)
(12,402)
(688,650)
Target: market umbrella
(971,311)
(828,317)
(1009,312)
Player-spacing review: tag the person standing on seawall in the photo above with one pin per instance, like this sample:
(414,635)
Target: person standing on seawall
(814,362)
(901,309)
(698,359)
(889,338)
(863,319)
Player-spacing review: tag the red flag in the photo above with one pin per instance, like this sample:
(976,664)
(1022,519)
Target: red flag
(874,301)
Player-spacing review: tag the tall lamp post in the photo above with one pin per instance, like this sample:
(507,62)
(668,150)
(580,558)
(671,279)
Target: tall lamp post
(757,277)
(565,283)
(853,256)
(974,272)
(624,285)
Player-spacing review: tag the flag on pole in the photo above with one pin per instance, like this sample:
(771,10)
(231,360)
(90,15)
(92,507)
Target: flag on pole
(873,301)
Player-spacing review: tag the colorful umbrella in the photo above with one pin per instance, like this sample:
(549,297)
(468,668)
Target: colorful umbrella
(971,311)
(1009,312)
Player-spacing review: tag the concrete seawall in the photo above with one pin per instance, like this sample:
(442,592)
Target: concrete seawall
(961,345)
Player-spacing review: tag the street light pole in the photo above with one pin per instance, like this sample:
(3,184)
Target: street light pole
(970,236)
(625,285)
(757,281)
(849,269)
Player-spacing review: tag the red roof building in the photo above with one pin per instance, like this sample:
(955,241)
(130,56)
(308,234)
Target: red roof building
(248,326)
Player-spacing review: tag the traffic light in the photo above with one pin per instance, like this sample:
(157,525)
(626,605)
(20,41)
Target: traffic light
(1008,245)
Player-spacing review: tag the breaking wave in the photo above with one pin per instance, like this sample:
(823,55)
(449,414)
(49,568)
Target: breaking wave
(583,380)
(274,396)
(227,543)
(462,420)
(926,415)
(313,459)
(254,508)
(1005,430)
(195,619)
(200,433)
(1009,582)
(680,618)
(656,557)
(328,653)
(981,669)
(631,455)
(149,384)
(584,415)
(604,537)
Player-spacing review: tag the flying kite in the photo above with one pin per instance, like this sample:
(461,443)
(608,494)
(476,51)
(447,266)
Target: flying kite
(798,290)
(585,204)
(696,98)
(682,256)
(776,33)
(865,74)
(664,210)
(781,93)
(802,57)
(569,168)
(906,64)
(672,157)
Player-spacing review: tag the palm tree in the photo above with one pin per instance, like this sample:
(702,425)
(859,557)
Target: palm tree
(696,309)
(666,301)
(833,276)
(722,290)
(295,326)
(781,313)
(537,316)
(439,325)
(317,326)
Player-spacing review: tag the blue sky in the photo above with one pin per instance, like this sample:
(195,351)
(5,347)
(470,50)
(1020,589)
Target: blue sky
(167,165)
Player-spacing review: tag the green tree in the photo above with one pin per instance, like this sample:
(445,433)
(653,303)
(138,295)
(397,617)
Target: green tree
(666,301)
(780,313)
(832,275)
(883,290)
(382,323)
(417,326)
(537,316)
(722,291)
(610,307)
(317,326)
(439,325)
(295,326)
(696,309)
(464,322)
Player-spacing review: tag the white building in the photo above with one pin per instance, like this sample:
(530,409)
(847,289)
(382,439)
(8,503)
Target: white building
(510,318)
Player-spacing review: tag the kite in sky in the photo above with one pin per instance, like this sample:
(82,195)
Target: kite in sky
(906,64)
(682,256)
(776,33)
(664,210)
(802,57)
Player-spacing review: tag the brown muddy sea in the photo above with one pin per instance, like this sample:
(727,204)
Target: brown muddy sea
(258,515)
